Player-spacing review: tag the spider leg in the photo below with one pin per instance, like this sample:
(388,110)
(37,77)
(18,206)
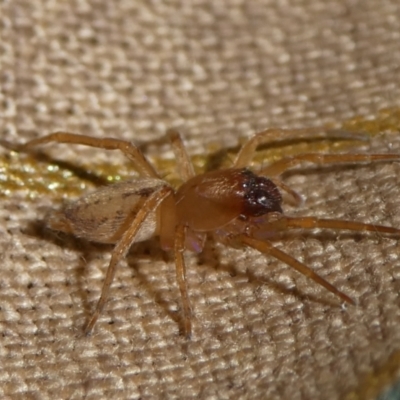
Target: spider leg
(278,167)
(184,163)
(123,245)
(181,278)
(247,151)
(267,248)
(285,223)
(127,148)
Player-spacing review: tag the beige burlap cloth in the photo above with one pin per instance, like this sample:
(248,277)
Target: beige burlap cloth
(218,71)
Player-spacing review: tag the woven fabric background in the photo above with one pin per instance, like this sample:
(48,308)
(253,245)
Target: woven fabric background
(218,71)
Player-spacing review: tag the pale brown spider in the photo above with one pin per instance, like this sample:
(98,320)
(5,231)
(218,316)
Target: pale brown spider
(233,204)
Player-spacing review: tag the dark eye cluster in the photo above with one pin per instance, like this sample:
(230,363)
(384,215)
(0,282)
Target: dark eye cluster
(261,195)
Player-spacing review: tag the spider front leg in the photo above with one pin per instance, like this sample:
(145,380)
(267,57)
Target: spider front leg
(267,248)
(152,203)
(282,223)
(278,167)
(285,223)
(127,148)
(247,151)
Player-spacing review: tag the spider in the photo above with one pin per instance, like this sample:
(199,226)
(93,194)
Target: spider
(234,205)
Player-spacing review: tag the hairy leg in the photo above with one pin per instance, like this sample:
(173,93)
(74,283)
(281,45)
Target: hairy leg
(127,148)
(247,151)
(267,248)
(184,163)
(121,248)
(278,167)
(337,224)
(181,278)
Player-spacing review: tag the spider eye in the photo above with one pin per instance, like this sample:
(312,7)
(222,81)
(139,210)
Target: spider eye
(261,196)
(263,200)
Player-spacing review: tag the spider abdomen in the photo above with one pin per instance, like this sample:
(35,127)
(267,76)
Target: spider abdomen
(104,215)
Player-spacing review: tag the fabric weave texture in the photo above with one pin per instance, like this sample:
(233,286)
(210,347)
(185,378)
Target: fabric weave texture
(218,71)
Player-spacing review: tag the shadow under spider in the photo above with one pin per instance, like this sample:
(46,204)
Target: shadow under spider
(79,171)
(89,251)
